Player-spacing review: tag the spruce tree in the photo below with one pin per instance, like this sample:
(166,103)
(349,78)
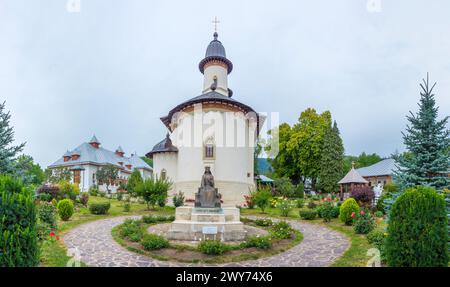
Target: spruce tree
(427,142)
(331,163)
(8,151)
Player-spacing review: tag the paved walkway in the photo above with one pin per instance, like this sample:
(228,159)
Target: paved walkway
(96,247)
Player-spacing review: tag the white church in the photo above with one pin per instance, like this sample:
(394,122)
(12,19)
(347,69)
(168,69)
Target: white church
(210,130)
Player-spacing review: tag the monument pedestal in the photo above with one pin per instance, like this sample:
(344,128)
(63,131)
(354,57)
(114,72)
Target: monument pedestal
(196,224)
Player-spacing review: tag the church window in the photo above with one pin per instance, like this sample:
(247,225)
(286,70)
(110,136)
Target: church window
(209,151)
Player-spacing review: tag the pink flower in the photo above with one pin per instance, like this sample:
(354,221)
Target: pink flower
(57,237)
(353,214)
(329,199)
(52,234)
(362,212)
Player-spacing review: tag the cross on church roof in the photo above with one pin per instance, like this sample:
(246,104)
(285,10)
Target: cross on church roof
(215,22)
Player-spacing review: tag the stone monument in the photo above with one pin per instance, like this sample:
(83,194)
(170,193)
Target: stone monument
(207,219)
(208,196)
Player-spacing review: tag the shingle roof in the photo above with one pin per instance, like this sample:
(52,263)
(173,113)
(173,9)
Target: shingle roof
(384,167)
(163,146)
(100,156)
(207,97)
(352,177)
(215,51)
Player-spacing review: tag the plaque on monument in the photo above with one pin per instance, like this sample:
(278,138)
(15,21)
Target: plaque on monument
(207,196)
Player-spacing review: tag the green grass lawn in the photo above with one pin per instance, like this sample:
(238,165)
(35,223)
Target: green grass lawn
(54,253)
(355,255)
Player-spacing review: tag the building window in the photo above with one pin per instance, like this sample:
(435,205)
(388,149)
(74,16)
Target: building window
(209,151)
(163,174)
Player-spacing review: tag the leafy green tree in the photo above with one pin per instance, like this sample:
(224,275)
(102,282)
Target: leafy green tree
(134,179)
(283,162)
(362,160)
(153,190)
(57,175)
(427,141)
(300,146)
(8,151)
(107,175)
(28,171)
(149,161)
(306,142)
(331,163)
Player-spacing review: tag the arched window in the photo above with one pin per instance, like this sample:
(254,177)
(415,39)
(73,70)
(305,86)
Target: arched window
(163,174)
(209,149)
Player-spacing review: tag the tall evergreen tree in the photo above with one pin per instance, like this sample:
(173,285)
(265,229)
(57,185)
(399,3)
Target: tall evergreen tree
(8,151)
(428,144)
(331,163)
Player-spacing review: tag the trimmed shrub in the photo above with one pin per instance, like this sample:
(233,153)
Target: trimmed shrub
(308,214)
(212,247)
(260,242)
(335,212)
(18,227)
(363,222)
(178,199)
(363,195)
(263,222)
(153,241)
(417,231)
(47,214)
(347,208)
(99,208)
(326,211)
(131,230)
(284,187)
(281,230)
(65,209)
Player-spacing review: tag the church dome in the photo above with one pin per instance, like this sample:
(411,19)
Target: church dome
(215,52)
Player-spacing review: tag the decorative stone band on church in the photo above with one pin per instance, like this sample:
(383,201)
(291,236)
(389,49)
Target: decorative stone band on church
(211,130)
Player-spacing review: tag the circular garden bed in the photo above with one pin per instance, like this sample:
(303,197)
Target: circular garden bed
(146,236)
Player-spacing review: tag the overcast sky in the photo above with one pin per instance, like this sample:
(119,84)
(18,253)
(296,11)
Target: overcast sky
(116,67)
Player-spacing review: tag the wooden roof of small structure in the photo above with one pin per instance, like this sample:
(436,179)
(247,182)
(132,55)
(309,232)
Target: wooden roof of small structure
(352,177)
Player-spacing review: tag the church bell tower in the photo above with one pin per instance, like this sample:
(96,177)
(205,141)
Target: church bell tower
(215,68)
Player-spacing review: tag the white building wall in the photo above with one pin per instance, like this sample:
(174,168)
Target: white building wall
(221,74)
